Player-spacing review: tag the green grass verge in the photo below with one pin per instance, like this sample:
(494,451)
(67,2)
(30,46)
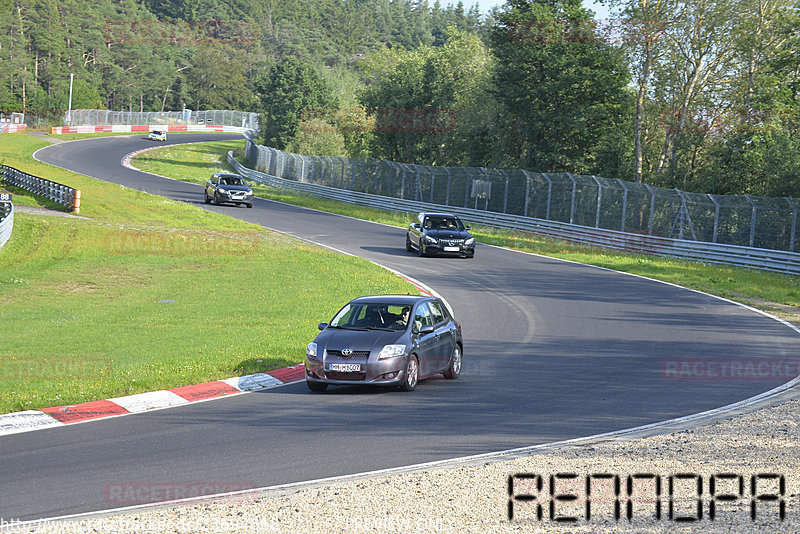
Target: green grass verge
(772,292)
(147,294)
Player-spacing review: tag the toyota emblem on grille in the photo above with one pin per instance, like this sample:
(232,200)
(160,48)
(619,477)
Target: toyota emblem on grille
(346,352)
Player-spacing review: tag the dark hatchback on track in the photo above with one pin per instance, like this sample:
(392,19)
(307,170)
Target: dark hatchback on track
(392,340)
(439,233)
(226,187)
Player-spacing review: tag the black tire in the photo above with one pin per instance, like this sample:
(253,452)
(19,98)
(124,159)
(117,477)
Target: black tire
(316,387)
(205,198)
(420,250)
(250,205)
(454,369)
(411,375)
(409,248)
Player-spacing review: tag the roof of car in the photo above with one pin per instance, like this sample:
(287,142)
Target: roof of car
(436,214)
(221,174)
(390,299)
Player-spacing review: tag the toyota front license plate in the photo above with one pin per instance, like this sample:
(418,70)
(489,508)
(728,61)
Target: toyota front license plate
(451,249)
(345,367)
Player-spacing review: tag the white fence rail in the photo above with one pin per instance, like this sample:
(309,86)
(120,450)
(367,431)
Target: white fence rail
(750,257)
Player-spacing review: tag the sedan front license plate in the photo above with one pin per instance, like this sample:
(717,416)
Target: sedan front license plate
(451,249)
(345,367)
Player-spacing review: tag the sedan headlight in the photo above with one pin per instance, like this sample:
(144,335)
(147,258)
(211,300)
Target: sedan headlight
(470,241)
(248,193)
(311,350)
(429,239)
(222,190)
(391,351)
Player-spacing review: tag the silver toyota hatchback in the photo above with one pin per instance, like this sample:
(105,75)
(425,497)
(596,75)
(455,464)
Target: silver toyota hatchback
(392,340)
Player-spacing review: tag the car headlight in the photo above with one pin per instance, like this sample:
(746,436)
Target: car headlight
(248,193)
(429,239)
(470,241)
(391,351)
(222,190)
(311,350)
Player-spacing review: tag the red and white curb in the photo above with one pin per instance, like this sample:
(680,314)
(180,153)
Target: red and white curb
(17,422)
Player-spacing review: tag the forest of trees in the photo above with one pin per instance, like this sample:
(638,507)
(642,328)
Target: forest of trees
(701,95)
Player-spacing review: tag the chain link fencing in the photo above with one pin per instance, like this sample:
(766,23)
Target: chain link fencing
(103,117)
(591,201)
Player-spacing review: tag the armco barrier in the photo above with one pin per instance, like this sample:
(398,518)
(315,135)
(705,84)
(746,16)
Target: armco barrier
(58,193)
(6,218)
(755,258)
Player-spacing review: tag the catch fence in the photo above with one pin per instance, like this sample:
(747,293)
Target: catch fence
(588,201)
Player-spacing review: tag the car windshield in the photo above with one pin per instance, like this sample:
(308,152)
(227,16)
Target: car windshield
(443,223)
(232,180)
(372,316)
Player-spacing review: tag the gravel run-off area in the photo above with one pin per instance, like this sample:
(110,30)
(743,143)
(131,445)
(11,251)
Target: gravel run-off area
(764,444)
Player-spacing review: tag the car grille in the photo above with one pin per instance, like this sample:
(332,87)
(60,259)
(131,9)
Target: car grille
(355,354)
(334,375)
(452,242)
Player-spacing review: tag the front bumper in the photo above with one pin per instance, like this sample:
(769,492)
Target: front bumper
(441,248)
(384,372)
(234,198)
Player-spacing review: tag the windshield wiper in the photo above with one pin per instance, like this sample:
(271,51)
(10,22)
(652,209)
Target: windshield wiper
(380,328)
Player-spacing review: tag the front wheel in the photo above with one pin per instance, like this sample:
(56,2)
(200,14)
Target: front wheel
(411,374)
(316,387)
(420,249)
(409,248)
(205,198)
(454,369)
(250,205)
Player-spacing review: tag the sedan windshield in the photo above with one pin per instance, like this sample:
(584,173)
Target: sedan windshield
(372,316)
(443,223)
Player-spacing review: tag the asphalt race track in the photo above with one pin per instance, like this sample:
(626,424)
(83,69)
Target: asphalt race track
(553,350)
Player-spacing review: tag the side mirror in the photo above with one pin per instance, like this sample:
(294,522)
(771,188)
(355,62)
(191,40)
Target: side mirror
(468,227)
(322,326)
(427,329)
(415,226)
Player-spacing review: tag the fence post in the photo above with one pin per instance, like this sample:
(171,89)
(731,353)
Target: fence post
(652,208)
(624,204)
(505,197)
(572,202)
(752,219)
(447,193)
(716,217)
(794,223)
(527,191)
(599,200)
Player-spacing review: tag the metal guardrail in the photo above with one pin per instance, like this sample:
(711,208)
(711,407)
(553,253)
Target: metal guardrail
(58,193)
(749,257)
(6,218)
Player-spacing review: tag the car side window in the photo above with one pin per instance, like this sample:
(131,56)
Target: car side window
(422,317)
(436,313)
